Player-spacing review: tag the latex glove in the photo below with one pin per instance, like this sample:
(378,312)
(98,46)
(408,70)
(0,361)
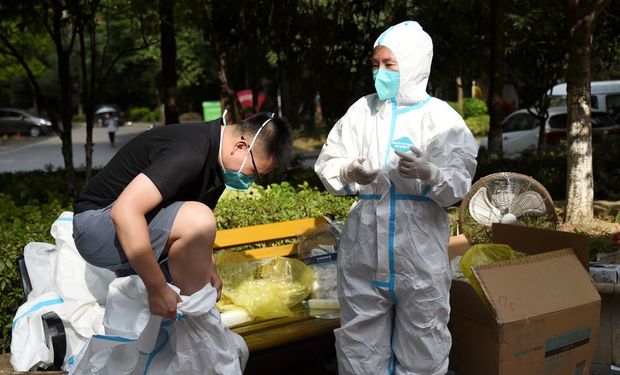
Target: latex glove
(355,172)
(415,165)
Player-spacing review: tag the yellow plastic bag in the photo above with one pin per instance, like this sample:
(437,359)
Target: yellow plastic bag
(266,288)
(481,254)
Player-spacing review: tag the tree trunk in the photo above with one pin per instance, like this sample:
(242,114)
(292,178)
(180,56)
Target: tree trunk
(541,115)
(64,75)
(63,51)
(580,17)
(459,91)
(92,98)
(87,89)
(227,96)
(168,60)
(35,100)
(496,75)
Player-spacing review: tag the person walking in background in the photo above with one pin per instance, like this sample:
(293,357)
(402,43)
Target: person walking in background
(111,123)
(408,155)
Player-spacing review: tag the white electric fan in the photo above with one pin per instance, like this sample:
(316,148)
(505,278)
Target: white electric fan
(505,197)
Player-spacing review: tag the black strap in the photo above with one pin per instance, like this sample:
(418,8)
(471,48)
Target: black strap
(24,278)
(55,330)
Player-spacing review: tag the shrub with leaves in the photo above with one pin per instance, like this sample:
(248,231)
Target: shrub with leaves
(479,125)
(143,114)
(278,202)
(474,107)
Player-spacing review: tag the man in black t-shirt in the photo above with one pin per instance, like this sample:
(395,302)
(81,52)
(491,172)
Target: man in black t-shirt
(154,200)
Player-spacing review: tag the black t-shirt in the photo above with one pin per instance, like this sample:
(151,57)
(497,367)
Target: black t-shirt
(181,160)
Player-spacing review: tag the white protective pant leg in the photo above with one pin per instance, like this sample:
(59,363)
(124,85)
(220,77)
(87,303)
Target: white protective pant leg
(398,326)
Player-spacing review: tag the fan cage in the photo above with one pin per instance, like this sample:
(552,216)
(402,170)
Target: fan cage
(479,233)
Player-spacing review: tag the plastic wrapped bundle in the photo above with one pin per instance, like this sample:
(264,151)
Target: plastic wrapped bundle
(318,249)
(265,288)
(323,261)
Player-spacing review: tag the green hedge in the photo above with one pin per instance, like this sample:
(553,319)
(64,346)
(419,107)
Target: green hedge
(479,125)
(474,107)
(30,202)
(143,114)
(278,202)
(79,118)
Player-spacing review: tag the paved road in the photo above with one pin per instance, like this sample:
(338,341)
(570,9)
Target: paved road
(27,154)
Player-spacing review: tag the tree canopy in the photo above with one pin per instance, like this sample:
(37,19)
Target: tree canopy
(64,57)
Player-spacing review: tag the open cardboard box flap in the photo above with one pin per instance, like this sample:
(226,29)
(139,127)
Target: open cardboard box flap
(535,241)
(513,288)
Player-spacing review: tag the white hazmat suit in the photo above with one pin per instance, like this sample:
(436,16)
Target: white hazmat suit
(393,270)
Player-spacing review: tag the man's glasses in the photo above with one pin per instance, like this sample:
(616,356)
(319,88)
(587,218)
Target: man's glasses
(253,163)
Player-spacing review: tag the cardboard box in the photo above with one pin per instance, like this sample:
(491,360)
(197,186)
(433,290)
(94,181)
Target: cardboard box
(543,310)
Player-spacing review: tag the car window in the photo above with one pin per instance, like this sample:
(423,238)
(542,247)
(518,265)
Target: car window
(519,122)
(613,106)
(529,122)
(601,120)
(560,101)
(557,122)
(594,101)
(557,101)
(10,114)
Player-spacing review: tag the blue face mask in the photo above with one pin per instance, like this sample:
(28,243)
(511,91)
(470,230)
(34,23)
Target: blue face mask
(236,180)
(387,83)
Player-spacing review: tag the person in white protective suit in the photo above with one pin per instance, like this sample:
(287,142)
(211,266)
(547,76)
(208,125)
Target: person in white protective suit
(407,155)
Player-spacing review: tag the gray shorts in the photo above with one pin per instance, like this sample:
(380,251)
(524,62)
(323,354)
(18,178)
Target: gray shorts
(96,240)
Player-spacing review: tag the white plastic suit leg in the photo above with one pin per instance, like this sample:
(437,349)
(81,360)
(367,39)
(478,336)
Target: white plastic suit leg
(421,341)
(363,340)
(395,324)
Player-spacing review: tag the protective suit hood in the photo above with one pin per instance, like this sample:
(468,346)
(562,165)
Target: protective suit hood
(413,49)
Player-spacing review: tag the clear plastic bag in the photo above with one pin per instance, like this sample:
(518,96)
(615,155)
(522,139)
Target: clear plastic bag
(318,249)
(265,288)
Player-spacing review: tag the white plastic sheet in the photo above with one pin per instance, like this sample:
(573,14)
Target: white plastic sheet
(63,283)
(136,342)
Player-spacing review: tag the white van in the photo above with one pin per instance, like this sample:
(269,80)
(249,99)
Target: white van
(605,97)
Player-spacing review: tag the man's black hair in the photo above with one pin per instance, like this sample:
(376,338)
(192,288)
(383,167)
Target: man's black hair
(275,139)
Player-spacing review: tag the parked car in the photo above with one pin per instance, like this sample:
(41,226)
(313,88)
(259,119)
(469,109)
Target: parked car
(16,121)
(520,130)
(605,97)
